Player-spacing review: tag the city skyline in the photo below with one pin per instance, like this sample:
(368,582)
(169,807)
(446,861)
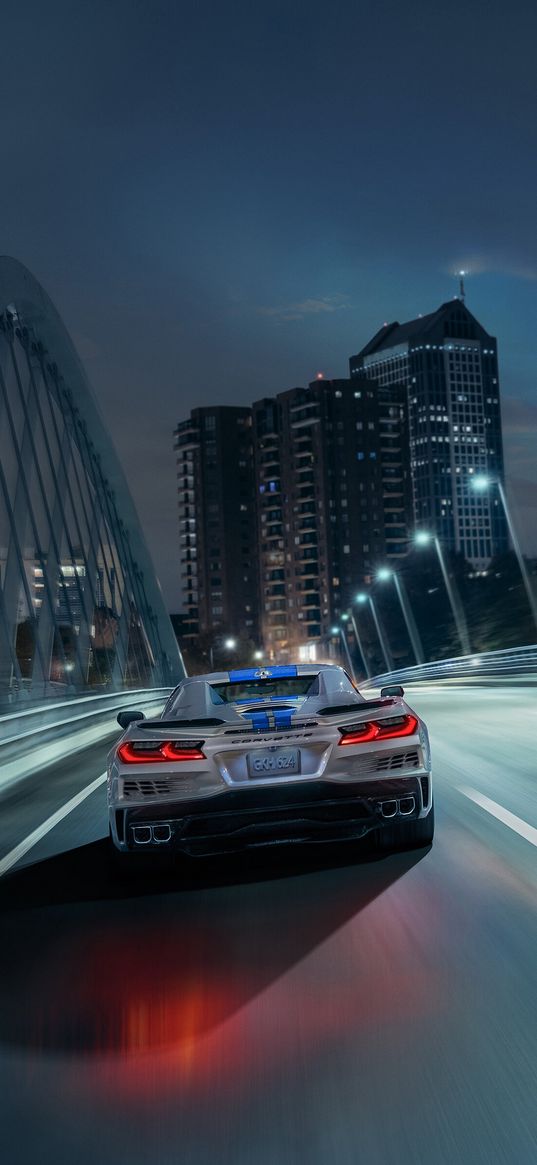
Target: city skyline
(243,199)
(519,415)
(519,427)
(328,486)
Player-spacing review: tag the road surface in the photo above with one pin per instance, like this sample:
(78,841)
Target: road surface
(325,1006)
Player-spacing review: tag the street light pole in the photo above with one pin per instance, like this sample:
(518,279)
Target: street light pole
(363,598)
(422,537)
(458,612)
(413,633)
(382,638)
(481,482)
(341,631)
(518,551)
(359,644)
(228,644)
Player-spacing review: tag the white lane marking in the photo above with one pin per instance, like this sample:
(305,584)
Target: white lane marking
(22,848)
(528,832)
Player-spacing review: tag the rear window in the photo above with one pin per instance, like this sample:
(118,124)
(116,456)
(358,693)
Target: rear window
(264,689)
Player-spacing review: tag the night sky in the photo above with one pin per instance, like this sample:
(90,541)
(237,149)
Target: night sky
(224,199)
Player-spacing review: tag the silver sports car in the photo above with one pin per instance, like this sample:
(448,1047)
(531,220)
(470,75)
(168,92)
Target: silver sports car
(266,756)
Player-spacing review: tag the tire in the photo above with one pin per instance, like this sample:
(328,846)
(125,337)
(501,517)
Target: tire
(407,834)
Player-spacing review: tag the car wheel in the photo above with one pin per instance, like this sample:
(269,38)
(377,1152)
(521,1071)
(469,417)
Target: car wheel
(407,834)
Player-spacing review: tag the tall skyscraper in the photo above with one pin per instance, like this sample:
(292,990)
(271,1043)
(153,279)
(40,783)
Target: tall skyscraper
(449,365)
(332,475)
(287,508)
(217,522)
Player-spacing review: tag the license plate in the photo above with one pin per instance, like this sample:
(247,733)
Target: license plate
(280,763)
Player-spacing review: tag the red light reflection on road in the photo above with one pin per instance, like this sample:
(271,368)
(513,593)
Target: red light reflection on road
(182,1014)
(176,993)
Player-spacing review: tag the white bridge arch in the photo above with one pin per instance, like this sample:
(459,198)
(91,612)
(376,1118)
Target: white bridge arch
(80,605)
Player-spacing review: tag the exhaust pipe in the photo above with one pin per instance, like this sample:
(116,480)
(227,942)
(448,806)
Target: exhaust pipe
(388,808)
(142,834)
(402,808)
(161,833)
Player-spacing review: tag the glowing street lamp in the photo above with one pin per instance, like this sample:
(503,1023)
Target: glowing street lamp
(364,597)
(384,575)
(483,482)
(229,644)
(423,538)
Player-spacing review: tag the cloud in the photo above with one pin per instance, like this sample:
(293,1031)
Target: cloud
(306,307)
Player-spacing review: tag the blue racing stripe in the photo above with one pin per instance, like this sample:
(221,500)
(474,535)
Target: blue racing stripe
(243,673)
(284,718)
(259,673)
(260,721)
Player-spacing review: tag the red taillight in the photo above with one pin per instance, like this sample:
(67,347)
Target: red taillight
(141,752)
(388,728)
(173,750)
(379,730)
(360,735)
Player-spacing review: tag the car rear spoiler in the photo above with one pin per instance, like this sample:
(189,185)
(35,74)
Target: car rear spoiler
(345,709)
(198,705)
(335,691)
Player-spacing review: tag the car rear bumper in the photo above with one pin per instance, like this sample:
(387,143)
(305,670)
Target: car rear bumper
(244,818)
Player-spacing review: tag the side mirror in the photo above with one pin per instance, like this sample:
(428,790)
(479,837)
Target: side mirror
(126,718)
(393,690)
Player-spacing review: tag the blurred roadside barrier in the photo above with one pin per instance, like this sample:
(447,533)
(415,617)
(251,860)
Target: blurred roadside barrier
(36,737)
(514,662)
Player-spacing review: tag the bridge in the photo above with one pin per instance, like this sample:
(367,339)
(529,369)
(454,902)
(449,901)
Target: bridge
(319,1005)
(372,1010)
(80,607)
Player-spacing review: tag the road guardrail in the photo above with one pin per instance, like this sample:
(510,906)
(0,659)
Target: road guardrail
(32,739)
(489,664)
